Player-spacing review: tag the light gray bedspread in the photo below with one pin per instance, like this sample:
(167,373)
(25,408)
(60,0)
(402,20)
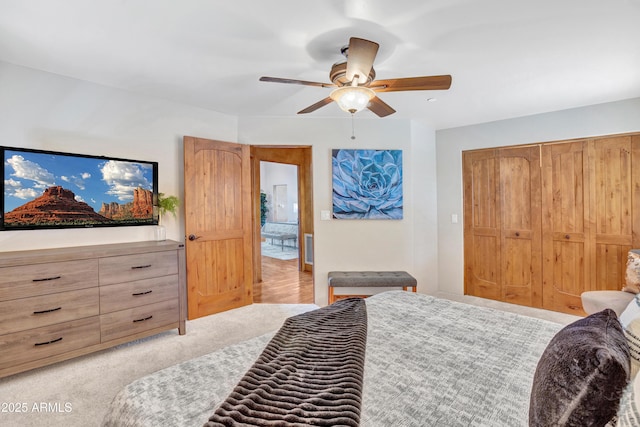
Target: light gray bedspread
(429,362)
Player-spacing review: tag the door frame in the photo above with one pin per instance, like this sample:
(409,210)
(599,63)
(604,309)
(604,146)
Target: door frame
(300,156)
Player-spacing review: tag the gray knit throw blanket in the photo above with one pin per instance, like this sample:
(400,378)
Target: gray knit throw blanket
(310,373)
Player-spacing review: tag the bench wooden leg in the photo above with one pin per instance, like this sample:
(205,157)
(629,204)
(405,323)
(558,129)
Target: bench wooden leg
(331,296)
(413,288)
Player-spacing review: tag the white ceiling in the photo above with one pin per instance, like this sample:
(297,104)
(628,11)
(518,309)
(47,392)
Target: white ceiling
(508,58)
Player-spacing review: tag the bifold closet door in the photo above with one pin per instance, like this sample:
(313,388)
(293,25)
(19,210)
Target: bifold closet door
(545,223)
(520,226)
(590,195)
(482,248)
(615,167)
(502,225)
(567,258)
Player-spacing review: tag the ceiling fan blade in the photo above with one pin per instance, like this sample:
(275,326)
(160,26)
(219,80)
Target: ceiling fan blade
(379,107)
(295,82)
(412,83)
(360,58)
(317,105)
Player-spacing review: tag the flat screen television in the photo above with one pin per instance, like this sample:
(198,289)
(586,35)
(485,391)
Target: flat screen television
(47,189)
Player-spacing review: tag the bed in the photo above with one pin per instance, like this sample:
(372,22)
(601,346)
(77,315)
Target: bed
(429,362)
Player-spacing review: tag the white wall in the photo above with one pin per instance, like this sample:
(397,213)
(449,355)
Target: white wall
(603,119)
(425,231)
(45,111)
(280,174)
(363,244)
(49,112)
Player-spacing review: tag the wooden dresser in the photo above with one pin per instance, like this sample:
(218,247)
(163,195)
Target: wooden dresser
(56,304)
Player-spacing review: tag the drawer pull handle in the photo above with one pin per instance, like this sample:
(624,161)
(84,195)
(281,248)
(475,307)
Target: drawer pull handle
(142,293)
(47,311)
(142,320)
(47,278)
(140,266)
(48,342)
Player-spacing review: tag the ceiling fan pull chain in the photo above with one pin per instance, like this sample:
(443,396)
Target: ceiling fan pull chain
(353,126)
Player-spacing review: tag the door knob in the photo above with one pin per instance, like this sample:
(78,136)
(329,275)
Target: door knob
(193,237)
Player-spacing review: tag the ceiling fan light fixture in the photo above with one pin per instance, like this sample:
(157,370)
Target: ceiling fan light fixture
(352,99)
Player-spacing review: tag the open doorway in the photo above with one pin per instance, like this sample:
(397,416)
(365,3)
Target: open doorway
(279,211)
(282,184)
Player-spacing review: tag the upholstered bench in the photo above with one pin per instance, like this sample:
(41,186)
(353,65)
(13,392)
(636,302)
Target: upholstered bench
(369,279)
(280,231)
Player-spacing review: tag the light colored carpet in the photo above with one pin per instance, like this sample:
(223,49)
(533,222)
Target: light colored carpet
(77,392)
(276,251)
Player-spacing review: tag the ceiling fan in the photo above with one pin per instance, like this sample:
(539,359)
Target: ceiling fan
(355,84)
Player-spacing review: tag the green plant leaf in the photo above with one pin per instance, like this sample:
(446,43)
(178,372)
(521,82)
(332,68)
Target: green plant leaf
(168,204)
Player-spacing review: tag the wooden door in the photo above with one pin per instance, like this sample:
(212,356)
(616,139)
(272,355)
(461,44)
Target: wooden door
(613,198)
(520,226)
(567,258)
(482,242)
(503,225)
(217,197)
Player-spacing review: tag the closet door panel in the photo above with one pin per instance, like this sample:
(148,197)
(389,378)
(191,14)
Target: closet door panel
(521,264)
(566,232)
(517,271)
(484,270)
(481,224)
(610,265)
(569,271)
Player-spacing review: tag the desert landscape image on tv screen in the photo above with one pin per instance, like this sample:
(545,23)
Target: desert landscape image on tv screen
(50,190)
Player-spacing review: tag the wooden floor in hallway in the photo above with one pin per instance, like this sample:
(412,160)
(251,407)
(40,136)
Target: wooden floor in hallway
(282,283)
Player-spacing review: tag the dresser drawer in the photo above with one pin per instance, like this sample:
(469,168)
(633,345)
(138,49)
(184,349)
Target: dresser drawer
(139,319)
(141,292)
(40,279)
(34,312)
(40,343)
(127,268)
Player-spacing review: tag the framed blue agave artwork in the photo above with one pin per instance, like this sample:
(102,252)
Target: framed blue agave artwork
(367,184)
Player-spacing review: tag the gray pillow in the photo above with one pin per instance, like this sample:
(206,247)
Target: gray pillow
(581,374)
